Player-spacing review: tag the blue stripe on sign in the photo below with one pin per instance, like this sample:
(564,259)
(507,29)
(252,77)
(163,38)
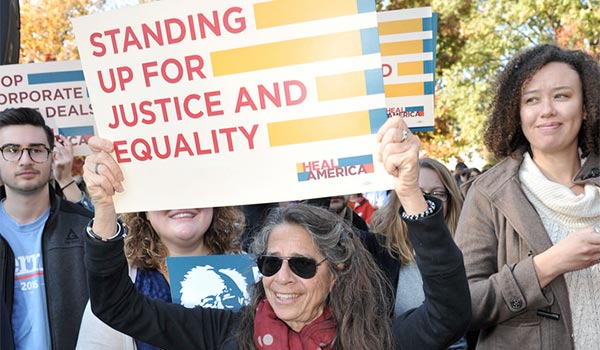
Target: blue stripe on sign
(428,88)
(428,67)
(303,176)
(414,109)
(55,77)
(376,118)
(427,24)
(76,131)
(369,38)
(428,45)
(364,6)
(356,160)
(374,80)
(424,128)
(434,21)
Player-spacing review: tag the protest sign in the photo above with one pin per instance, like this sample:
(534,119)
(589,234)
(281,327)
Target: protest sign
(237,102)
(58,91)
(408,50)
(215,281)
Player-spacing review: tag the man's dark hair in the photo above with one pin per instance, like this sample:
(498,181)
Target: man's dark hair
(461,166)
(26,116)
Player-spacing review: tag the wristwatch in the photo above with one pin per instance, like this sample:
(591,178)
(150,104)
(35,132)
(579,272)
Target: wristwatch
(121,231)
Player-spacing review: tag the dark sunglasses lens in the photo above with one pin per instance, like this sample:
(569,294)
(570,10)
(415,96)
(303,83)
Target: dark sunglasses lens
(303,267)
(269,265)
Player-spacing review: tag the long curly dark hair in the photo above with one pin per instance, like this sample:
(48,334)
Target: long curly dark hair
(358,297)
(503,133)
(144,248)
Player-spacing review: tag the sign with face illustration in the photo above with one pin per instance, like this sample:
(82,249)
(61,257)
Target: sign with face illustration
(215,281)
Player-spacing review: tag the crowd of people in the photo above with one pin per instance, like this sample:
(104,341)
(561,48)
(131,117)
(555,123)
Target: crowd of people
(464,259)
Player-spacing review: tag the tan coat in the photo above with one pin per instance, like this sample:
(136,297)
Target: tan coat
(499,232)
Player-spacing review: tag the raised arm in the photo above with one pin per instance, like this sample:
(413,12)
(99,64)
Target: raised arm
(399,153)
(445,314)
(103,178)
(113,296)
(63,162)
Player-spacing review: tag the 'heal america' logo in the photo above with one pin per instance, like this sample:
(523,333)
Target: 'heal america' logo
(333,168)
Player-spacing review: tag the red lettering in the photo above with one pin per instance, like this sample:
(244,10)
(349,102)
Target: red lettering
(120,152)
(210,103)
(249,136)
(173,25)
(244,100)
(386,69)
(147,73)
(130,40)
(289,100)
(172,70)
(239,20)
(95,42)
(113,38)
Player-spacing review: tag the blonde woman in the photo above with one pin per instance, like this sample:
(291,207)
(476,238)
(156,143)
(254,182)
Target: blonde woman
(435,180)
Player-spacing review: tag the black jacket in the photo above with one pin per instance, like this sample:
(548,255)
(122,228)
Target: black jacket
(64,273)
(441,320)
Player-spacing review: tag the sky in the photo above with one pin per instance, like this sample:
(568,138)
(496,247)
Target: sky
(115,4)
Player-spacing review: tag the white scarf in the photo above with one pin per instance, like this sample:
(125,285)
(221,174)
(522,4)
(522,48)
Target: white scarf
(562,211)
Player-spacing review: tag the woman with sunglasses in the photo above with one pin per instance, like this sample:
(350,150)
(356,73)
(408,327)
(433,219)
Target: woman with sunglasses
(320,288)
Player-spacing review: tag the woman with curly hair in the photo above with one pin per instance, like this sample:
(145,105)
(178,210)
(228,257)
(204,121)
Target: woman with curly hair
(153,236)
(529,226)
(320,288)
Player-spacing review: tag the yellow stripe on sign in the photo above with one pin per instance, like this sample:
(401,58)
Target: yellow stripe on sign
(400,27)
(401,47)
(299,167)
(341,86)
(400,90)
(409,68)
(319,128)
(282,12)
(286,53)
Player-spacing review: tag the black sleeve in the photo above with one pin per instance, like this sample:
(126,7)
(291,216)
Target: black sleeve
(445,314)
(116,302)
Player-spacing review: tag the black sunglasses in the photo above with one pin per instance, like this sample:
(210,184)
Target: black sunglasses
(302,266)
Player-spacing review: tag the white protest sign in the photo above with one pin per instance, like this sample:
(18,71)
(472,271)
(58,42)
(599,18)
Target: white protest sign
(408,50)
(236,102)
(58,91)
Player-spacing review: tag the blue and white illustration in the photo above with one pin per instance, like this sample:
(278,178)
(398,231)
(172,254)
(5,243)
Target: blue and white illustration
(215,281)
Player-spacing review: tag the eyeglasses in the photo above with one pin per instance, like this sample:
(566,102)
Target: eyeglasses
(38,154)
(302,266)
(441,195)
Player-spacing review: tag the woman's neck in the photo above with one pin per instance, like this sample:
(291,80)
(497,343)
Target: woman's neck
(177,250)
(559,168)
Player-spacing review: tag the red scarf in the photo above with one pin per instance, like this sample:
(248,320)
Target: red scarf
(270,333)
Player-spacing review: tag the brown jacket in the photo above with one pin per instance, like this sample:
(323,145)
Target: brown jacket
(499,232)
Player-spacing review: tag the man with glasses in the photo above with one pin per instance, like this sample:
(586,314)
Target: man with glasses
(44,288)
